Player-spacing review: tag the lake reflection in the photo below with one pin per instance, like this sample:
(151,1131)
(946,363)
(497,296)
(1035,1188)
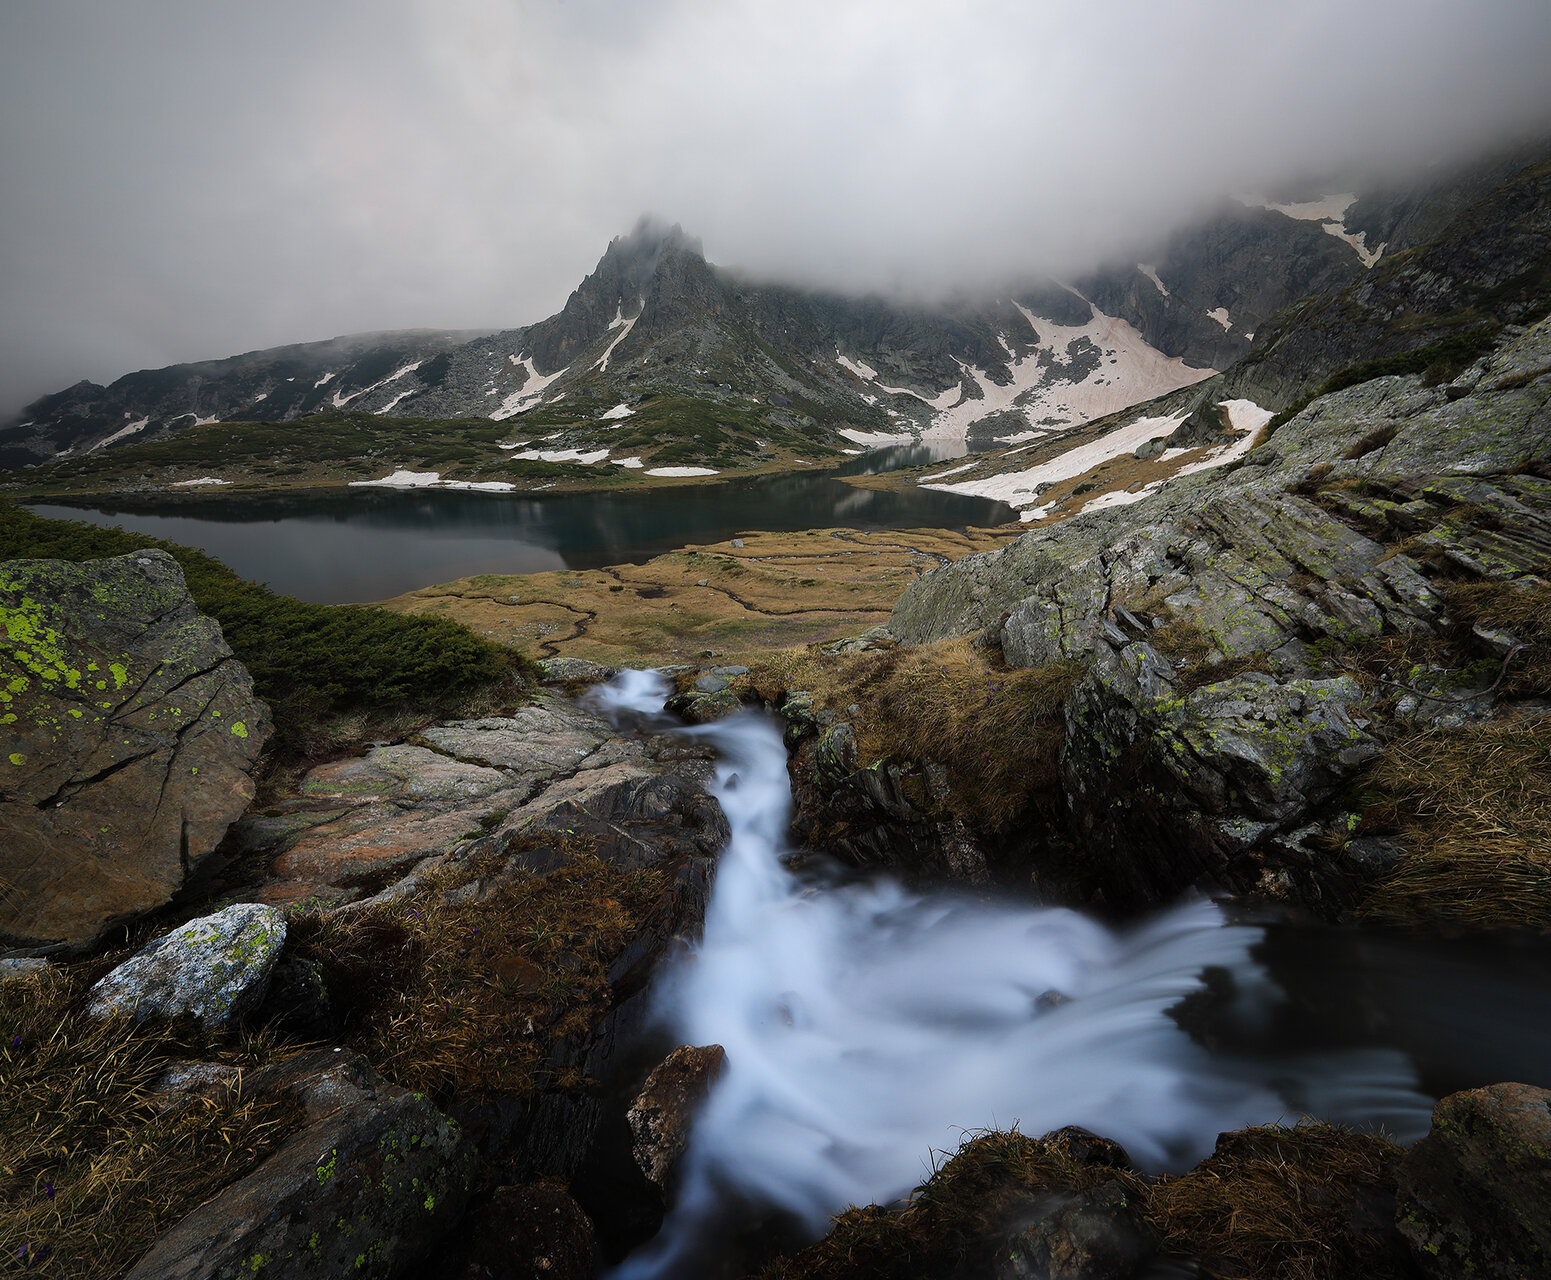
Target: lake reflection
(362,545)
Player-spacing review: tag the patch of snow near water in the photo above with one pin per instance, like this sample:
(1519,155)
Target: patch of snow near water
(431,480)
(584,456)
(681,471)
(633,464)
(867,1025)
(1016,488)
(876,439)
(178,484)
(532,389)
(952,471)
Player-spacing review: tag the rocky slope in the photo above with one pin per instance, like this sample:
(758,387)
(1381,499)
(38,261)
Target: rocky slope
(655,320)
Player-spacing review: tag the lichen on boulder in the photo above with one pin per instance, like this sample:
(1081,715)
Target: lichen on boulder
(214,968)
(129,732)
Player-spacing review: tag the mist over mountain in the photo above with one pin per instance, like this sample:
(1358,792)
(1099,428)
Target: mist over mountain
(183,182)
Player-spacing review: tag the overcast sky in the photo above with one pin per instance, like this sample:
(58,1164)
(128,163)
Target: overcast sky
(186,179)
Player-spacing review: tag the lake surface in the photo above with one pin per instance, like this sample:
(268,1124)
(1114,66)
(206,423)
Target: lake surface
(368,544)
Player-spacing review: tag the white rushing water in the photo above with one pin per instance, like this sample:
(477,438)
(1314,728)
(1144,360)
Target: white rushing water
(867,1025)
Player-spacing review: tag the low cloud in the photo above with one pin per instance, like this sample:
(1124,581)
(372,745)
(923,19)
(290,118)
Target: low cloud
(186,180)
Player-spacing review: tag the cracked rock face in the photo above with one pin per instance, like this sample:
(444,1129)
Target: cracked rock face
(215,968)
(129,730)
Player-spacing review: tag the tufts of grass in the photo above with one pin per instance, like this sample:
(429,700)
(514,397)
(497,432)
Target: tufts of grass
(91,1169)
(1473,805)
(1312,1202)
(330,673)
(997,730)
(464,990)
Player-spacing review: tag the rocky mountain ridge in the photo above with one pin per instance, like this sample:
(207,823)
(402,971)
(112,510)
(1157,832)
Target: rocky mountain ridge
(655,319)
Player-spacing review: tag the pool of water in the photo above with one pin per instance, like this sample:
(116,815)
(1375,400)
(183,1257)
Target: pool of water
(368,544)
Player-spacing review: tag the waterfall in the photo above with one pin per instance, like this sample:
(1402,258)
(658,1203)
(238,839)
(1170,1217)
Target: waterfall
(868,1026)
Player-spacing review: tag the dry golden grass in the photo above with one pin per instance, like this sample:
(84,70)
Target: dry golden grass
(778,590)
(90,1170)
(997,730)
(1474,807)
(467,999)
(1313,1202)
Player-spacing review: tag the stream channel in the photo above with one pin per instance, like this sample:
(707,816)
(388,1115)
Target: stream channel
(868,1025)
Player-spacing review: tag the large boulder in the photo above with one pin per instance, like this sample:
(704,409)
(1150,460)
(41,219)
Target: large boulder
(365,1189)
(1475,1193)
(130,730)
(215,968)
(527,1231)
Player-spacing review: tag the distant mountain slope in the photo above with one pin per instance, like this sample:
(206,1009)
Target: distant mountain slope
(655,322)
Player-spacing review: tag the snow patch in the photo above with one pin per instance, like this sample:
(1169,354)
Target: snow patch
(680,471)
(178,484)
(117,435)
(857,367)
(584,456)
(1358,240)
(1147,270)
(321,381)
(402,479)
(532,389)
(952,471)
(633,464)
(617,412)
(876,439)
(1329,208)
(1016,488)
(1220,314)
(339,402)
(401,396)
(625,327)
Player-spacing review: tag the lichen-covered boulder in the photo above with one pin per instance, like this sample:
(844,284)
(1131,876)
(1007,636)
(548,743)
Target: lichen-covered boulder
(365,1189)
(215,968)
(1475,1194)
(129,730)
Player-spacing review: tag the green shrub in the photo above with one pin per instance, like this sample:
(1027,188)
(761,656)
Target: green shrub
(311,663)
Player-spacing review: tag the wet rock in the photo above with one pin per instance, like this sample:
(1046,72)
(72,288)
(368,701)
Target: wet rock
(1475,1194)
(661,1114)
(215,968)
(365,1189)
(711,683)
(1099,1233)
(130,730)
(527,1231)
(184,1080)
(574,670)
(1082,1146)
(699,707)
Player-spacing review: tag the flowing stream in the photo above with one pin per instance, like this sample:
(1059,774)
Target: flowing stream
(867,1026)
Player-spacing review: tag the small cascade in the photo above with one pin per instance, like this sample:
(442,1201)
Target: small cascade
(868,1026)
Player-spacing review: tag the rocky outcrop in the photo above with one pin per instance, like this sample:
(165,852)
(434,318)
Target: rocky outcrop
(365,1188)
(1475,1193)
(129,728)
(1098,1233)
(215,969)
(550,771)
(1212,725)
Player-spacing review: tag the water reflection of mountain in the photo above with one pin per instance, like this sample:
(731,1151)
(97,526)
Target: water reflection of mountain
(358,545)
